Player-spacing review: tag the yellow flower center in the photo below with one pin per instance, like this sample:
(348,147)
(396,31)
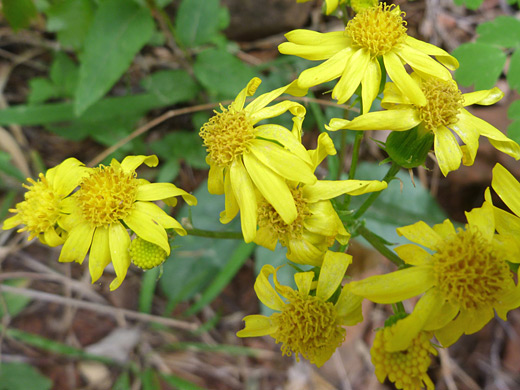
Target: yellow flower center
(146,255)
(443,103)
(469,271)
(40,209)
(268,217)
(307,326)
(107,195)
(408,368)
(377,29)
(227,135)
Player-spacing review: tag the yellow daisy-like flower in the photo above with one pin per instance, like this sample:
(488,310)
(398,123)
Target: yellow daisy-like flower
(317,224)
(407,369)
(42,208)
(307,323)
(442,113)
(464,280)
(353,56)
(110,200)
(244,159)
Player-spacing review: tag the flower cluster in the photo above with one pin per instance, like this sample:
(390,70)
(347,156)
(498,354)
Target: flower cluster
(91,210)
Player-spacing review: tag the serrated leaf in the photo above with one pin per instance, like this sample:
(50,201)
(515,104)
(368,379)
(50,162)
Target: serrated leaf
(470,4)
(197,22)
(119,30)
(21,376)
(18,12)
(480,64)
(212,64)
(70,19)
(503,31)
(513,73)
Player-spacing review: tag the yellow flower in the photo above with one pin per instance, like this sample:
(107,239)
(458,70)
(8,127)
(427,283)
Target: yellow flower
(442,113)
(307,323)
(244,159)
(407,369)
(464,280)
(353,56)
(42,208)
(317,224)
(110,200)
(508,188)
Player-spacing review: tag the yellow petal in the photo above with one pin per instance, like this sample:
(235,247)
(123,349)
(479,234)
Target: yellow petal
(303,252)
(265,291)
(483,219)
(441,315)
(331,6)
(12,221)
(277,110)
(332,273)
(468,134)
(264,237)
(507,187)
(442,56)
(272,186)
(119,242)
(447,150)
(421,234)
(327,71)
(348,307)
(403,81)
(445,229)
(324,148)
(51,238)
(131,163)
(231,207)
(304,281)
(392,96)
(249,90)
(160,217)
(413,254)
(422,62)
(142,224)
(486,97)
(215,179)
(322,219)
(399,119)
(287,139)
(281,161)
(261,101)
(314,38)
(328,189)
(508,301)
(395,286)
(370,85)
(157,191)
(352,75)
(313,45)
(99,253)
(257,325)
(246,199)
(77,243)
(68,175)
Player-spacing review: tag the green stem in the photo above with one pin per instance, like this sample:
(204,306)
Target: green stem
(354,163)
(378,245)
(214,234)
(394,168)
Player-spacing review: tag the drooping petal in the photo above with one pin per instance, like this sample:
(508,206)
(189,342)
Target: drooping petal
(370,85)
(51,238)
(441,55)
(249,90)
(277,110)
(119,242)
(257,325)
(486,97)
(348,307)
(145,227)
(468,134)
(401,119)
(508,301)
(422,62)
(413,254)
(265,291)
(99,256)
(322,219)
(281,161)
(304,281)
(395,286)
(324,148)
(447,150)
(441,315)
(231,207)
(327,71)
(328,189)
(332,273)
(272,186)
(392,96)
(215,179)
(396,71)
(421,234)
(77,243)
(131,163)
(507,187)
(303,252)
(159,216)
(245,198)
(293,88)
(352,75)
(264,237)
(283,136)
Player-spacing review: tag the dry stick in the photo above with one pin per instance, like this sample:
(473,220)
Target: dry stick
(114,311)
(188,110)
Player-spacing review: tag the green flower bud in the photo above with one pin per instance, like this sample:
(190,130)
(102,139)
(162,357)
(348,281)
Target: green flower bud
(409,148)
(146,255)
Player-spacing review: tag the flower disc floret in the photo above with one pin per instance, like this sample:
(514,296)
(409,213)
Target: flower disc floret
(454,266)
(307,326)
(378,29)
(406,369)
(107,195)
(227,135)
(444,102)
(146,255)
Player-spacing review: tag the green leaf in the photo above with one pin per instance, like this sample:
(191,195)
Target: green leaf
(470,4)
(513,112)
(21,376)
(480,64)
(181,145)
(396,206)
(122,383)
(179,383)
(212,64)
(513,74)
(513,130)
(7,167)
(503,31)
(150,380)
(15,303)
(148,284)
(70,19)
(119,30)
(197,22)
(41,90)
(171,85)
(64,74)
(18,12)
